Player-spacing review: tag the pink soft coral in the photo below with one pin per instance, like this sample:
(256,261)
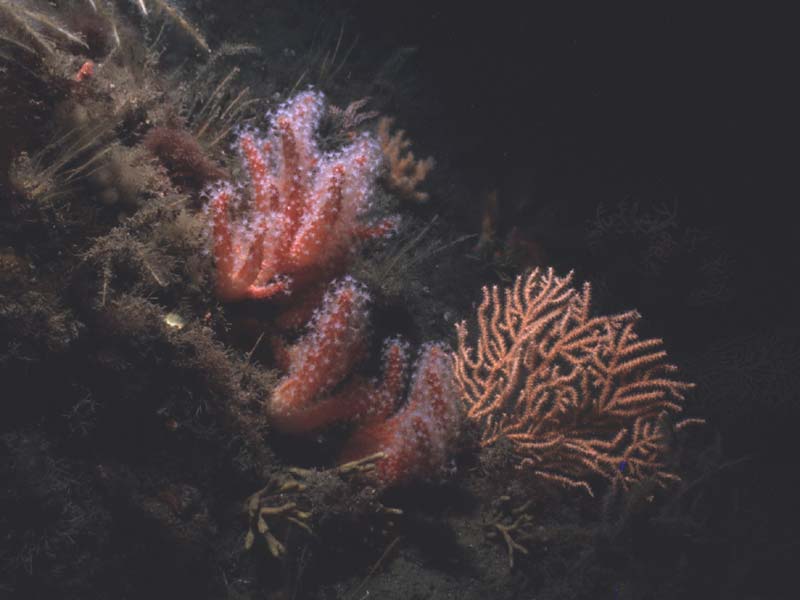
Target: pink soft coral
(318,390)
(303,218)
(417,440)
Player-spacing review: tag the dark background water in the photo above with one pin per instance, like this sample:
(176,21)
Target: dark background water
(695,106)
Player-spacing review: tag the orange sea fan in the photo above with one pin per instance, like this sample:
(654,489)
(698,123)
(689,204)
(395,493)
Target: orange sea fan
(576,395)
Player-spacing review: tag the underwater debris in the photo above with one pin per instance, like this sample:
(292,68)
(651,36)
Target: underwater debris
(577,396)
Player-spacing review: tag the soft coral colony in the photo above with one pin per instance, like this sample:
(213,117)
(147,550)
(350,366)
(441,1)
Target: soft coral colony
(576,396)
(303,221)
(304,216)
(415,438)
